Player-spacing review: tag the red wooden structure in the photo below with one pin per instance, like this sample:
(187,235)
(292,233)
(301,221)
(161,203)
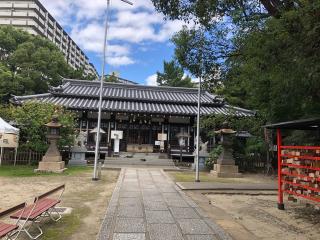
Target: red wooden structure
(298,166)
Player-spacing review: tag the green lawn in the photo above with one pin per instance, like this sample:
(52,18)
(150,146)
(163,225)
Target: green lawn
(28,171)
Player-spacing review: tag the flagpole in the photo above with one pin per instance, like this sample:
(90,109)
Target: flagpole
(97,150)
(105,44)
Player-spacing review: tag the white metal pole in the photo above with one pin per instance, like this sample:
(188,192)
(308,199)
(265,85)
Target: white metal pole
(198,131)
(15,156)
(199,110)
(1,155)
(97,150)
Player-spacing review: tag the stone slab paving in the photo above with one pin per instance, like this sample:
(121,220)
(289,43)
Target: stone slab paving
(146,205)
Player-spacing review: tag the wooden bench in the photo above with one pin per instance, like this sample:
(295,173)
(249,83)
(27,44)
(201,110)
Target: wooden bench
(43,206)
(12,231)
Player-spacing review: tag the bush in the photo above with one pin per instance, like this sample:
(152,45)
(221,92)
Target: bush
(213,156)
(31,118)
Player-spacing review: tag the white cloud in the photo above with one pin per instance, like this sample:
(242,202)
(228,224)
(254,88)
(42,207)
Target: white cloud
(151,80)
(129,25)
(119,60)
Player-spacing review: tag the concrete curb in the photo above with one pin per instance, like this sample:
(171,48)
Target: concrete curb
(225,186)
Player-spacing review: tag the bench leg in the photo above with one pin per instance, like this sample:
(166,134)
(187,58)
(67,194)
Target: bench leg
(54,210)
(12,236)
(26,230)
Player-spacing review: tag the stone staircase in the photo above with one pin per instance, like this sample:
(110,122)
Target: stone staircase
(138,159)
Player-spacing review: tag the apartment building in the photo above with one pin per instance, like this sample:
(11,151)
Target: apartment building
(31,15)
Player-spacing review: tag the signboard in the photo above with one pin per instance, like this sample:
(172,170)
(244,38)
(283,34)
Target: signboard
(8,140)
(116,134)
(157,143)
(162,136)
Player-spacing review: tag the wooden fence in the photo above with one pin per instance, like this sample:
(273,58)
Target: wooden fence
(23,157)
(254,163)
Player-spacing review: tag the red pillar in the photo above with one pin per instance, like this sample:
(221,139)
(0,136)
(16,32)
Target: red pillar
(280,192)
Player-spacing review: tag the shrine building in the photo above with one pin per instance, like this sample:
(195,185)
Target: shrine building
(140,112)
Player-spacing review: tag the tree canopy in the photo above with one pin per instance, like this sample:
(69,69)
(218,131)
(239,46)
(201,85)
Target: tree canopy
(261,55)
(29,64)
(206,12)
(173,76)
(31,118)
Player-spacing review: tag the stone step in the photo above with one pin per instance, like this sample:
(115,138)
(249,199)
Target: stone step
(154,162)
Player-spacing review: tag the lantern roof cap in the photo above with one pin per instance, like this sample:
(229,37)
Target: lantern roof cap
(54,122)
(95,130)
(225,131)
(182,135)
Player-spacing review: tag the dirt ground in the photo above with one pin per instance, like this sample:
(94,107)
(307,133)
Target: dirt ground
(88,200)
(260,216)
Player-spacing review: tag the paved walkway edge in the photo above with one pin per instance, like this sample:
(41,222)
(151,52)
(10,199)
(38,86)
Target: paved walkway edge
(112,206)
(191,186)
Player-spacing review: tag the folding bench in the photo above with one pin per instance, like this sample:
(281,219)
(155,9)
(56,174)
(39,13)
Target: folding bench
(12,230)
(43,206)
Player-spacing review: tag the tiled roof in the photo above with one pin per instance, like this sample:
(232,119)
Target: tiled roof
(119,91)
(84,95)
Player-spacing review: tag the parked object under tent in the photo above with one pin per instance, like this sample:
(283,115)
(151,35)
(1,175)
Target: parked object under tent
(9,138)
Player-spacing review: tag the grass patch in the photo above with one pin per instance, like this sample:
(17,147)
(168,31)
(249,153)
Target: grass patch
(28,171)
(68,225)
(204,177)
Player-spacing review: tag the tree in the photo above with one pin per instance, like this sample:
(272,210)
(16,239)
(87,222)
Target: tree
(206,12)
(268,62)
(34,63)
(31,118)
(278,70)
(200,54)
(113,77)
(173,76)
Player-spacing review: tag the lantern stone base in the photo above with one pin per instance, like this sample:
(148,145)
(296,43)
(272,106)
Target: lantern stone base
(51,158)
(226,171)
(51,167)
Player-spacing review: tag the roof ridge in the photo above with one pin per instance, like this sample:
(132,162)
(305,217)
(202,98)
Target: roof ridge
(32,96)
(137,86)
(240,109)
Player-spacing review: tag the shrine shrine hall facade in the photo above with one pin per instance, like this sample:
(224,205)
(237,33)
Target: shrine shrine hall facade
(141,112)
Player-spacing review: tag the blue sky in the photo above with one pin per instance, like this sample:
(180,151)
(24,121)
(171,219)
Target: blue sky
(139,37)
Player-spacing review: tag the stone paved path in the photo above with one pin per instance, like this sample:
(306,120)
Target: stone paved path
(146,205)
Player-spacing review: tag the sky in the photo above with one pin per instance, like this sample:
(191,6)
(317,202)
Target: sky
(138,38)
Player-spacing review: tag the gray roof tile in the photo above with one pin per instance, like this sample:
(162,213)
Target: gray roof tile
(76,94)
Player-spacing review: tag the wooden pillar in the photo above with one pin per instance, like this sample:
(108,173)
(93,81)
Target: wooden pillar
(80,120)
(109,132)
(188,138)
(280,192)
(87,129)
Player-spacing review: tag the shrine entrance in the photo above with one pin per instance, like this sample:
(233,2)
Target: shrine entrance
(139,134)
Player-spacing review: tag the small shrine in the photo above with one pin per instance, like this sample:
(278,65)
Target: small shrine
(225,166)
(52,160)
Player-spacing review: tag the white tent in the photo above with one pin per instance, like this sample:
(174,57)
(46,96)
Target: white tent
(7,128)
(8,138)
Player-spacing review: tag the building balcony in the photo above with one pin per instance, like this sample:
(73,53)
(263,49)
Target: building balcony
(5,5)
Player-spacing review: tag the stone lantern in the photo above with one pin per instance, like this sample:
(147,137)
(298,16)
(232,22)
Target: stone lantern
(52,160)
(225,167)
(182,136)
